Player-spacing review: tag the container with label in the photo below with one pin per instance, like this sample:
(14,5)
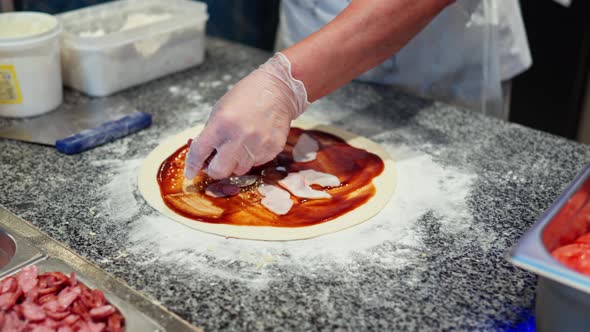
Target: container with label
(30,75)
(116,45)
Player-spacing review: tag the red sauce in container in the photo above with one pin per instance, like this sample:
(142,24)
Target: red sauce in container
(568,235)
(355,168)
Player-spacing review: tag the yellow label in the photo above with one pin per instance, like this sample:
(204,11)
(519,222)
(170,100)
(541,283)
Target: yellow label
(9,88)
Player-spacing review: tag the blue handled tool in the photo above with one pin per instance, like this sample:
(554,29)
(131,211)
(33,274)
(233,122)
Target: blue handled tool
(82,127)
(104,133)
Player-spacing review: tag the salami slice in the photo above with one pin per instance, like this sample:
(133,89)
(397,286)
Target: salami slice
(54,302)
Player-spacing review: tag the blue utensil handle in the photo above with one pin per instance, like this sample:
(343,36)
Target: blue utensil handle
(104,133)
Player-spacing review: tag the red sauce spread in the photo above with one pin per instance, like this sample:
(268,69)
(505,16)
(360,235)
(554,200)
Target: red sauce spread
(568,234)
(355,168)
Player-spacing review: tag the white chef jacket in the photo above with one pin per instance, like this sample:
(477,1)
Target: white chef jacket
(461,57)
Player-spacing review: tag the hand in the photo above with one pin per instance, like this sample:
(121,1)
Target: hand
(250,123)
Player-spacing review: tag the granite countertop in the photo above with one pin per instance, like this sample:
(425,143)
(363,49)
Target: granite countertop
(434,259)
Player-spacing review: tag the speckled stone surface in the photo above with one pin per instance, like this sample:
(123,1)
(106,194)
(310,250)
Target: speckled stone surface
(447,272)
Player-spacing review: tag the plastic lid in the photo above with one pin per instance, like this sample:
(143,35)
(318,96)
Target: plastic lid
(22,28)
(121,22)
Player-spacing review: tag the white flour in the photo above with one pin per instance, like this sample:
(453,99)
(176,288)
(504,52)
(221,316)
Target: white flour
(212,84)
(120,204)
(389,239)
(133,20)
(192,95)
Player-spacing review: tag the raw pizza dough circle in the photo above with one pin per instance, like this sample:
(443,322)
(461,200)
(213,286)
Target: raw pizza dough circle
(384,187)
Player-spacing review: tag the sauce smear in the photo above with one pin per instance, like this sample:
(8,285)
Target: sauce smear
(355,168)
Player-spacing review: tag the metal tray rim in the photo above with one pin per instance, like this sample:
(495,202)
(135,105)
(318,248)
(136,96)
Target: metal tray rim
(530,254)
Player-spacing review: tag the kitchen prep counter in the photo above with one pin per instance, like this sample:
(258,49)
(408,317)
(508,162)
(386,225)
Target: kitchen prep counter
(468,187)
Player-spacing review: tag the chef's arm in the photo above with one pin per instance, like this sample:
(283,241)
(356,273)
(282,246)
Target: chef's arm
(250,123)
(362,36)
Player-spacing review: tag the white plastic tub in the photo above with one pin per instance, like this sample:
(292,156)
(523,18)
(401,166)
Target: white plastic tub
(113,46)
(30,77)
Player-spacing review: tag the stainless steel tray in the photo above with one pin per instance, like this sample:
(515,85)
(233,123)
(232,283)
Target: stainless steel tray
(21,244)
(563,294)
(532,254)
(16,253)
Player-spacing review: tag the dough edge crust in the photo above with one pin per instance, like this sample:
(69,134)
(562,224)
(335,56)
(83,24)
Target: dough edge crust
(384,184)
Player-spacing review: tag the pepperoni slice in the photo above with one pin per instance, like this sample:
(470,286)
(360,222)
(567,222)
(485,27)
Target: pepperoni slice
(54,302)
(71,319)
(47,298)
(33,312)
(87,298)
(99,299)
(54,278)
(67,296)
(13,322)
(50,290)
(73,279)
(115,322)
(65,328)
(8,300)
(81,310)
(102,312)
(52,305)
(27,278)
(57,315)
(8,285)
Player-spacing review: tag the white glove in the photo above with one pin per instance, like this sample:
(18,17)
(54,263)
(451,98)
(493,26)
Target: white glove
(250,123)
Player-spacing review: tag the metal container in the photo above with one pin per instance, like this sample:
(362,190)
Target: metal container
(16,252)
(22,245)
(563,294)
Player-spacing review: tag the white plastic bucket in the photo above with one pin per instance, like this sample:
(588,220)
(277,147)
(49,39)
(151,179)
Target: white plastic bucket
(30,73)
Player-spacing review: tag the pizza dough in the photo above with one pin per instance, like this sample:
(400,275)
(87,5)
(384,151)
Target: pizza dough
(384,188)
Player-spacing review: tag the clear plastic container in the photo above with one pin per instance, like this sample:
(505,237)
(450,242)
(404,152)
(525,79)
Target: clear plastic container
(30,78)
(113,46)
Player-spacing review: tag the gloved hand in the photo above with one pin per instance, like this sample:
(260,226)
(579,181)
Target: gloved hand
(250,123)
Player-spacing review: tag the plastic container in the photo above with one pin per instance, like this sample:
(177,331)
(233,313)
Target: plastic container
(113,46)
(30,76)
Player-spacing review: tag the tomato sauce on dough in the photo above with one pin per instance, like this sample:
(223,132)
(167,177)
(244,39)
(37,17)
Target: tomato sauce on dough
(355,168)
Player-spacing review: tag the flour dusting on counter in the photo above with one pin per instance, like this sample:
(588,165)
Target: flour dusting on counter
(388,239)
(192,95)
(119,202)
